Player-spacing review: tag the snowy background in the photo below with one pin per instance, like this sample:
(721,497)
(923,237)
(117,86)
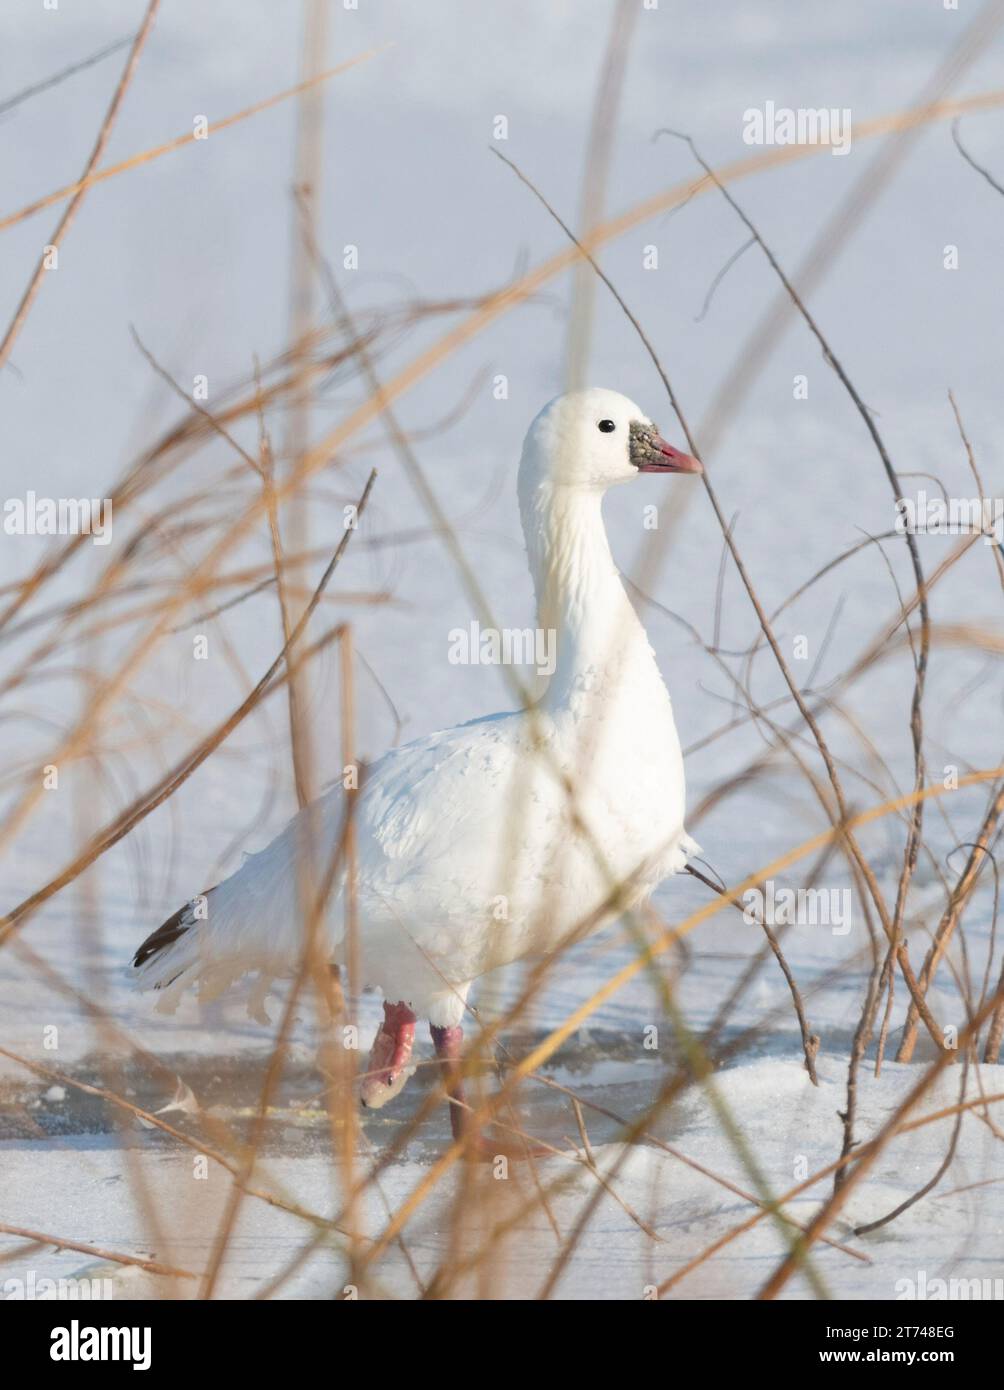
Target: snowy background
(194,252)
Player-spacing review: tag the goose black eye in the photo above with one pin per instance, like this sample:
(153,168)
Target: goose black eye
(607,426)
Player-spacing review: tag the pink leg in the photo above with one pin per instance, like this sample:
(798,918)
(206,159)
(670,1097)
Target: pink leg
(448,1043)
(387,1071)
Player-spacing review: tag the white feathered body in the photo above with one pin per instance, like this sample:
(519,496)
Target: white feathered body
(468,857)
(492,841)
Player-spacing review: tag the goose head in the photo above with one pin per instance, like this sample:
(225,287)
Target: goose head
(592,439)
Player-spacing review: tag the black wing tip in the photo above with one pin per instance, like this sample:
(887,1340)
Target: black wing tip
(165,935)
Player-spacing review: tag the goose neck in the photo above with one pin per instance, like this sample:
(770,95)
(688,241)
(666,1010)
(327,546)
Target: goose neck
(580,596)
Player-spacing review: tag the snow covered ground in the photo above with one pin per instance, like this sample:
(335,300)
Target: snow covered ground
(790,1125)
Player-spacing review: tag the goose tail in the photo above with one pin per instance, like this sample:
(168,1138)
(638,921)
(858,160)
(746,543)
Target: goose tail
(249,924)
(171,957)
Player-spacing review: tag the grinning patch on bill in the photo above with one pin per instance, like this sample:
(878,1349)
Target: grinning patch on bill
(650,453)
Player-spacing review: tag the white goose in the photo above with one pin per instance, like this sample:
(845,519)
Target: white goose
(501,838)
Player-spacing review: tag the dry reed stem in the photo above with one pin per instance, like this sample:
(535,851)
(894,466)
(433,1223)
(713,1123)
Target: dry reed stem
(729,1236)
(952,914)
(855,132)
(47,83)
(529,284)
(62,1243)
(595,176)
(78,190)
(71,190)
(554,1040)
(864,1158)
(897,947)
(314,909)
(696,1167)
(810,1040)
(933,1181)
(841,815)
(972,162)
(540,1054)
(129,819)
(519,293)
(147,1117)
